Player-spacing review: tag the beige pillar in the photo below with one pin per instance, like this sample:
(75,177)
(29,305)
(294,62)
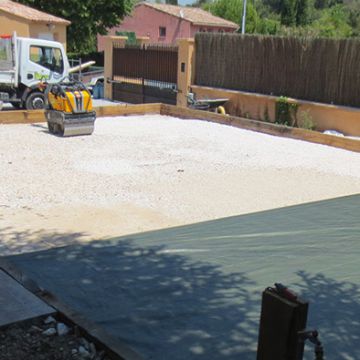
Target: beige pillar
(108,61)
(185,70)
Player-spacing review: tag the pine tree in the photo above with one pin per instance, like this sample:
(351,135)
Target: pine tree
(288,12)
(294,12)
(302,12)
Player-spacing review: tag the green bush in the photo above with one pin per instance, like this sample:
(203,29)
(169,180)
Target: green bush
(286,111)
(306,121)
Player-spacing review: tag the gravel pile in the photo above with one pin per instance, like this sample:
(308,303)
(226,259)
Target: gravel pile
(186,170)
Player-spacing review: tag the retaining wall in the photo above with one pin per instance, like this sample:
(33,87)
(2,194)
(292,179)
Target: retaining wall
(258,107)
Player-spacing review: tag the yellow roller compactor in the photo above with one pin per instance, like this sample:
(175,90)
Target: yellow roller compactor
(69,109)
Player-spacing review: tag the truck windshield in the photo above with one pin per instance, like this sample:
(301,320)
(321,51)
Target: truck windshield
(48,57)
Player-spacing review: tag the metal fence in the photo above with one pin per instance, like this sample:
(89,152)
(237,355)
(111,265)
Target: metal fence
(145,73)
(323,70)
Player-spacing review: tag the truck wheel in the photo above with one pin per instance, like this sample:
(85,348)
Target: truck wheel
(35,101)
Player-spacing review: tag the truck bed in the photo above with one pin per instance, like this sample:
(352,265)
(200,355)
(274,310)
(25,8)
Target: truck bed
(7,77)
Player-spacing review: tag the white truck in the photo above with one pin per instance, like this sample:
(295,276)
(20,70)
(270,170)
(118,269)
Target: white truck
(25,63)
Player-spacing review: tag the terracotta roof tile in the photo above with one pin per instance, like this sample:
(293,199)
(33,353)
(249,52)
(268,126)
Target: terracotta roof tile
(196,16)
(29,13)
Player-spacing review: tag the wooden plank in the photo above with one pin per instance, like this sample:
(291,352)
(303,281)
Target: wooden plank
(22,117)
(126,109)
(264,127)
(37,116)
(186,113)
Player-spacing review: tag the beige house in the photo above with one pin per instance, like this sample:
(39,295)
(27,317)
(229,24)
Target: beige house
(29,22)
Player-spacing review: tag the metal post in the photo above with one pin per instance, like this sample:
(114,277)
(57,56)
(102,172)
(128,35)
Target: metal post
(244,18)
(144,65)
(80,72)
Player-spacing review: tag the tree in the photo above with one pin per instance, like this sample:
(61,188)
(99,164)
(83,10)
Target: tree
(334,23)
(310,18)
(268,26)
(323,4)
(353,8)
(232,10)
(88,18)
(274,5)
(288,12)
(200,3)
(294,12)
(302,12)
(171,2)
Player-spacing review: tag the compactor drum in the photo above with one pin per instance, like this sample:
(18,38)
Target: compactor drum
(69,109)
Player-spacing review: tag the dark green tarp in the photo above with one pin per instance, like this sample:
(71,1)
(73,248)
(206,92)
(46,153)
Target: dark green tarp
(194,292)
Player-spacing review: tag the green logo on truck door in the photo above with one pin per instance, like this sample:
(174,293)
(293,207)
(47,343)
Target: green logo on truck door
(39,76)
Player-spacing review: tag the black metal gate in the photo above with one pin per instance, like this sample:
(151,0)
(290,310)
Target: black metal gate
(145,73)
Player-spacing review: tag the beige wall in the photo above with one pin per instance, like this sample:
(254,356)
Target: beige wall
(254,106)
(247,105)
(58,32)
(10,23)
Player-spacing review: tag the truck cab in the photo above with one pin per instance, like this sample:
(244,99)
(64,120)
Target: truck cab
(41,60)
(24,64)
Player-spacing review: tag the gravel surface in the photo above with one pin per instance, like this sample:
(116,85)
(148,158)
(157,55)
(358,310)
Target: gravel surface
(45,339)
(138,173)
(106,102)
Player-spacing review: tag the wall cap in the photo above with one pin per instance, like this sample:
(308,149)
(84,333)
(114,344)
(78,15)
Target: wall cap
(190,41)
(113,37)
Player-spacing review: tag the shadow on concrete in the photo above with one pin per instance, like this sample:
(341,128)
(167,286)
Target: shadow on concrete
(160,303)
(334,312)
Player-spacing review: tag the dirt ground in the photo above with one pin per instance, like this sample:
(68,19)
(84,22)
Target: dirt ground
(35,340)
(141,173)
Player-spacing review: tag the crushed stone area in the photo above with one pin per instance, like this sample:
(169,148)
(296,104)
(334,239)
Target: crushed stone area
(138,173)
(106,102)
(46,339)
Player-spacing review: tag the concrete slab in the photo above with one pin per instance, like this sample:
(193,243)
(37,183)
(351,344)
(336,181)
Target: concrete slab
(17,303)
